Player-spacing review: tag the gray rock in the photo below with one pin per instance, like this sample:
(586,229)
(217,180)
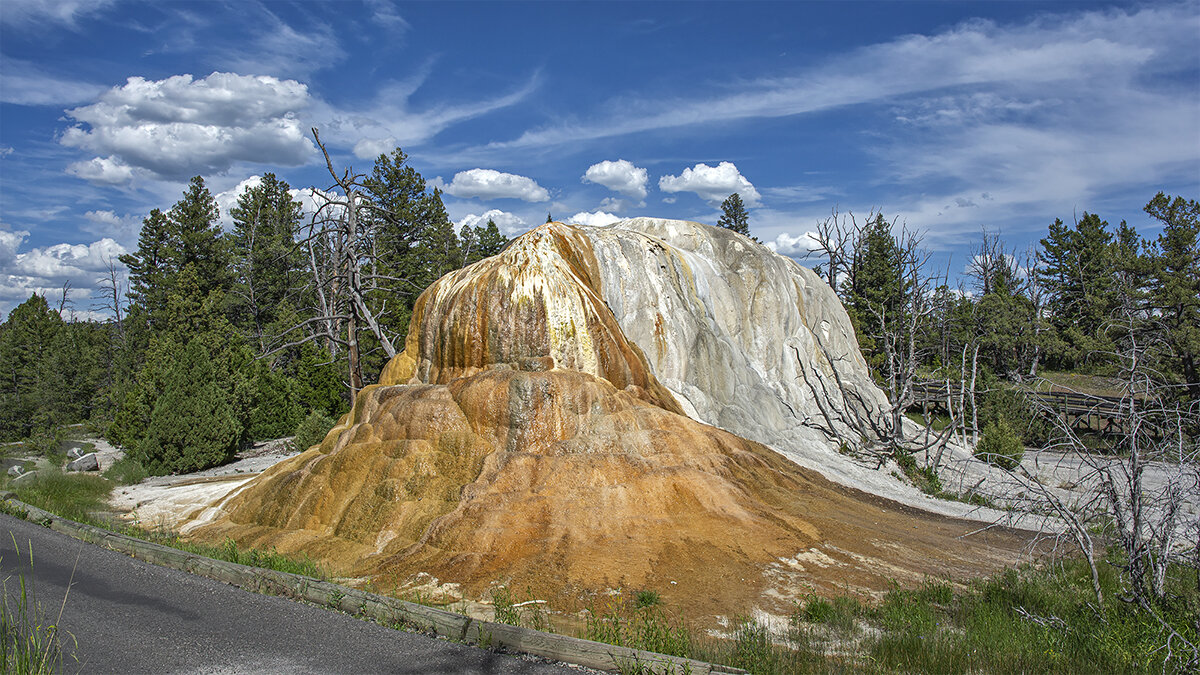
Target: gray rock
(88,462)
(16,470)
(74,453)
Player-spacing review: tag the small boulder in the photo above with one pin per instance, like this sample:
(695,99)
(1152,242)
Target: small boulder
(87,462)
(74,453)
(16,470)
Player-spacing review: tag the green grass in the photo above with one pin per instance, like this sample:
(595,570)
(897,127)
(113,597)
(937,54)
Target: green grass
(1027,620)
(1096,385)
(30,641)
(84,497)
(638,625)
(126,471)
(73,496)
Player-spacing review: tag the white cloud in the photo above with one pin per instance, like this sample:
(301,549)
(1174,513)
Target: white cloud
(27,83)
(595,218)
(370,148)
(108,223)
(282,50)
(492,184)
(794,246)
(44,270)
(1100,47)
(179,127)
(386,14)
(5,150)
(713,183)
(510,224)
(102,171)
(9,243)
(620,176)
(37,13)
(390,121)
(61,262)
(618,205)
(799,194)
(229,198)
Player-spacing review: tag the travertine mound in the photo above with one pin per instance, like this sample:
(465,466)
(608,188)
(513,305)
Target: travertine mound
(524,437)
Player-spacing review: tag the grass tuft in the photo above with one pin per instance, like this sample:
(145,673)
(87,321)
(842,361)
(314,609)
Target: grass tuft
(126,471)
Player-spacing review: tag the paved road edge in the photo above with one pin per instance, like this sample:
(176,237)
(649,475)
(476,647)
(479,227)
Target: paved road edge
(370,605)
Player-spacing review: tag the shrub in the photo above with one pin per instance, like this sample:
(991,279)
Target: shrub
(312,430)
(126,471)
(646,598)
(1000,445)
(1015,407)
(193,427)
(47,442)
(277,410)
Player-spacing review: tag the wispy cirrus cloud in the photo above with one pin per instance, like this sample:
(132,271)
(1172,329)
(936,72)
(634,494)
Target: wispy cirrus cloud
(26,83)
(390,120)
(36,14)
(1027,58)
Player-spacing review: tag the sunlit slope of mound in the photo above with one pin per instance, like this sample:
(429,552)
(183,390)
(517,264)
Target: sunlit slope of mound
(747,340)
(522,437)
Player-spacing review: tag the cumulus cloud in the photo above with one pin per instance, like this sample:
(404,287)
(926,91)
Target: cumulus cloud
(510,224)
(44,270)
(62,262)
(794,246)
(108,223)
(713,183)
(620,176)
(102,171)
(228,199)
(492,184)
(179,127)
(594,218)
(617,205)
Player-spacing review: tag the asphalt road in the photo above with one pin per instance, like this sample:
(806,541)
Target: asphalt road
(127,616)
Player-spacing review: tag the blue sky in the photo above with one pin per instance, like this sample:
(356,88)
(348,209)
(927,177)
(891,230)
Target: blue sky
(952,117)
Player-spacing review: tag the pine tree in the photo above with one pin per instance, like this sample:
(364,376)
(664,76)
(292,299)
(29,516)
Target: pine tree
(1076,271)
(193,426)
(196,238)
(734,215)
(875,285)
(265,222)
(27,384)
(491,241)
(151,265)
(1175,288)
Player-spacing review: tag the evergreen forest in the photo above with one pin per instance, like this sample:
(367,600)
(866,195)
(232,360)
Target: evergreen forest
(223,338)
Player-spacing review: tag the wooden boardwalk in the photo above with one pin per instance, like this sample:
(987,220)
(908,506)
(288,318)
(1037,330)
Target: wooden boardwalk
(1085,413)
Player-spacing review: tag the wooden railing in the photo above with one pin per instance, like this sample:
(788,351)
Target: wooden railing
(1084,412)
